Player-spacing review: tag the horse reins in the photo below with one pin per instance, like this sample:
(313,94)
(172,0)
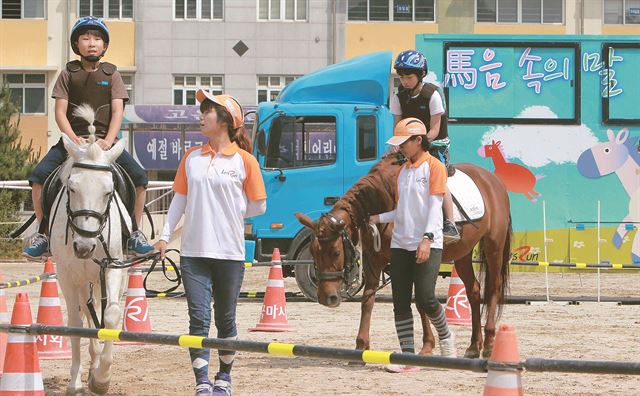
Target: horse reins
(109,262)
(351,253)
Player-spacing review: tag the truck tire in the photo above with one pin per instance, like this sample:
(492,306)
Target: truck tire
(307,282)
(306,274)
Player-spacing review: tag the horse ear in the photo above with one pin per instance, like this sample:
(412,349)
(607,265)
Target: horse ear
(70,146)
(622,136)
(305,220)
(114,152)
(611,135)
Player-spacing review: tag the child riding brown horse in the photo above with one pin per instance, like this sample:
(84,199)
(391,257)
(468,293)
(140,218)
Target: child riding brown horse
(375,193)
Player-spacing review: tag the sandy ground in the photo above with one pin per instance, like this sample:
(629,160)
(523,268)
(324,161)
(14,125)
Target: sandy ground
(586,331)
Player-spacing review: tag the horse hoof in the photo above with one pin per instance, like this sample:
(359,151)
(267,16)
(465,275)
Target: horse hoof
(486,353)
(75,392)
(471,354)
(98,388)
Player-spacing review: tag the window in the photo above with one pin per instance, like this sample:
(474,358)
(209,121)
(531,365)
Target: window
(269,87)
(520,11)
(199,9)
(301,141)
(127,79)
(621,11)
(391,10)
(513,82)
(282,10)
(110,9)
(185,87)
(28,92)
(367,139)
(22,9)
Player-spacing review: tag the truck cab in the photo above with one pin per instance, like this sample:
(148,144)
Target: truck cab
(323,132)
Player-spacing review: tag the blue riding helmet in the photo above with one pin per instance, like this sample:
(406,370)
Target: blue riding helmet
(87,23)
(411,60)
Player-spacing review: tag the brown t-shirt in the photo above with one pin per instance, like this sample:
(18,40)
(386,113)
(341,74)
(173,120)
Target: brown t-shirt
(61,88)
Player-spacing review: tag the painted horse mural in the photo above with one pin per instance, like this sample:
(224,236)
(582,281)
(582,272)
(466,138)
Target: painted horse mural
(516,178)
(374,193)
(619,154)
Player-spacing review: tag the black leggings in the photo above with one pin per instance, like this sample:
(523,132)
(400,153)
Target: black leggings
(405,273)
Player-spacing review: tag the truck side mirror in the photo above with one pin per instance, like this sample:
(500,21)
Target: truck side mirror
(262,142)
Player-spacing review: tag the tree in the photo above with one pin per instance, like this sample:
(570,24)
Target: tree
(16,161)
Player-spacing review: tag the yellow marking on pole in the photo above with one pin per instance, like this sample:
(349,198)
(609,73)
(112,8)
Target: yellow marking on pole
(38,279)
(27,281)
(380,357)
(161,295)
(190,341)
(616,266)
(543,263)
(252,294)
(581,265)
(276,348)
(109,334)
(248,265)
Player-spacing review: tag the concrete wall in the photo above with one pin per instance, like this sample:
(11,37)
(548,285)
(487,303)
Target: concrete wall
(167,47)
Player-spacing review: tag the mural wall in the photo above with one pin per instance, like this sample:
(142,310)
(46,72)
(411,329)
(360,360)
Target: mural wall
(556,119)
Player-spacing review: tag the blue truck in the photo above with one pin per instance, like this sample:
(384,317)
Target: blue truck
(551,107)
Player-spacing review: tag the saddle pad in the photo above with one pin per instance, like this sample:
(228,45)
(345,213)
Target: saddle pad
(466,192)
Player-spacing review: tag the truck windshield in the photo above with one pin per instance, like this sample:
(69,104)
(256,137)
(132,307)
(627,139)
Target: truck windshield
(299,141)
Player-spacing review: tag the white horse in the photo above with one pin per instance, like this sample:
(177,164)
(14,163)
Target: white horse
(84,219)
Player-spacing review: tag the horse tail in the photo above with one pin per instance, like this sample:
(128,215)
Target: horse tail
(86,112)
(504,271)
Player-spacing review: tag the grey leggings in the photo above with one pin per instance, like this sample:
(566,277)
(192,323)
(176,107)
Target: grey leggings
(405,273)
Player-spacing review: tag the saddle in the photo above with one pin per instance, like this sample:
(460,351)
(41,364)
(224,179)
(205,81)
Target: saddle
(123,185)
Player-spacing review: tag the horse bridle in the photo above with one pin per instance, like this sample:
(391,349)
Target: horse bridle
(351,254)
(101,217)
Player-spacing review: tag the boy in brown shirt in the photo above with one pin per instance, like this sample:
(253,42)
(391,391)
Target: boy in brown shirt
(100,85)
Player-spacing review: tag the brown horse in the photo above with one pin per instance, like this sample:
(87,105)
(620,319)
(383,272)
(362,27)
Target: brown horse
(375,193)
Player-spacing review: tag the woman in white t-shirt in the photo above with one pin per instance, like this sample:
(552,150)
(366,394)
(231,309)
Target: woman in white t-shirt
(217,185)
(416,243)
(424,102)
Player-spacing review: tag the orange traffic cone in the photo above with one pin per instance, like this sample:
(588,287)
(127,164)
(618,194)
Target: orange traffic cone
(274,309)
(4,319)
(50,313)
(506,381)
(458,311)
(136,310)
(21,365)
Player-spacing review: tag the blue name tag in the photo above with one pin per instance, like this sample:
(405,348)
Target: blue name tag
(104,83)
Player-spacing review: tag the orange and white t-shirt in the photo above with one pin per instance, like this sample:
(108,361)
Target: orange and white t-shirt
(218,188)
(414,214)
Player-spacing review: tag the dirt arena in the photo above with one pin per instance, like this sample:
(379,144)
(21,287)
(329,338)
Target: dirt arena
(586,331)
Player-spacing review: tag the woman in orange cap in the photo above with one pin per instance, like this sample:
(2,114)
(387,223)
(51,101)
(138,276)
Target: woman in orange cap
(416,244)
(217,185)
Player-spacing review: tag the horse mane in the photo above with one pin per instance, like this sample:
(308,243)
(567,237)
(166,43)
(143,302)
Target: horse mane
(373,193)
(634,148)
(92,150)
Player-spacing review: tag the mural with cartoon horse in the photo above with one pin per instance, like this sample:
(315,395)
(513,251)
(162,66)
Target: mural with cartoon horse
(619,155)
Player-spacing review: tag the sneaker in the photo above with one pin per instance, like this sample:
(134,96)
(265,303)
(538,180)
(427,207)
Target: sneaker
(138,244)
(204,389)
(450,232)
(448,346)
(38,248)
(222,385)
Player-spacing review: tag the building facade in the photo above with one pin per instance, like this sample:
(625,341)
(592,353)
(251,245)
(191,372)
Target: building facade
(166,49)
